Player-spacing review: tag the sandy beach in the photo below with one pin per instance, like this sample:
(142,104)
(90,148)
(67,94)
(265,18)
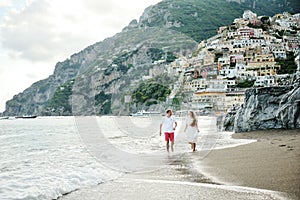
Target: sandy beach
(273,162)
(266,169)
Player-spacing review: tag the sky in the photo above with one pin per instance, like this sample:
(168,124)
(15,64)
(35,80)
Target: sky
(36,34)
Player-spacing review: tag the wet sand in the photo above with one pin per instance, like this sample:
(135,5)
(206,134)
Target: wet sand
(176,182)
(273,162)
(252,171)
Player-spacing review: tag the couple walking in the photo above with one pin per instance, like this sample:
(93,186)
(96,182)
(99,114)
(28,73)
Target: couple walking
(169,124)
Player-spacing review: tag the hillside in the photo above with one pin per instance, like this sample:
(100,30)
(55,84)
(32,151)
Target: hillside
(200,19)
(101,71)
(96,80)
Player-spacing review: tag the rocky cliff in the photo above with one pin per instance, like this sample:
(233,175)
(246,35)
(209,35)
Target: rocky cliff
(267,108)
(108,67)
(96,80)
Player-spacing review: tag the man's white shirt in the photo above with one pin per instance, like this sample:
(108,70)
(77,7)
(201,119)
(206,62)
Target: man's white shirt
(168,124)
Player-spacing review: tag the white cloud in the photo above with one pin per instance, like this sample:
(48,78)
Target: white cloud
(5,3)
(64,26)
(40,32)
(44,32)
(17,75)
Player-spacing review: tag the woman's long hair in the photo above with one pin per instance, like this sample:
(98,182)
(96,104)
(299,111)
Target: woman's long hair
(194,117)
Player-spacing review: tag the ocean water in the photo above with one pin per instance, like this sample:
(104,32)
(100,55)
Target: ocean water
(47,157)
(44,158)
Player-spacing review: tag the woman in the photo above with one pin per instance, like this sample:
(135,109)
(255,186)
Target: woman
(192,129)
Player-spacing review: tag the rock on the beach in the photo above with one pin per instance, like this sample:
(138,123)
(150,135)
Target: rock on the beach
(269,108)
(229,119)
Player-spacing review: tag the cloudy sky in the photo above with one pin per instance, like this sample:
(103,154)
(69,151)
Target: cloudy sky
(36,34)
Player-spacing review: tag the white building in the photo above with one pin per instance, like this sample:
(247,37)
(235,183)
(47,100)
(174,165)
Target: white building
(248,15)
(223,61)
(217,85)
(238,71)
(246,74)
(217,99)
(234,98)
(233,34)
(249,43)
(228,72)
(279,52)
(258,32)
(289,21)
(195,85)
(204,58)
(265,81)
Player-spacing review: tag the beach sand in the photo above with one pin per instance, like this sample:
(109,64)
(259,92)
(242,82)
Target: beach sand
(252,171)
(273,162)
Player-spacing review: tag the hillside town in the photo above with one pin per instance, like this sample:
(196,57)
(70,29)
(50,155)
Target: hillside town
(254,51)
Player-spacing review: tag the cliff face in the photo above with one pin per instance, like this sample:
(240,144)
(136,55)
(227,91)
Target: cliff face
(33,100)
(96,79)
(112,67)
(268,108)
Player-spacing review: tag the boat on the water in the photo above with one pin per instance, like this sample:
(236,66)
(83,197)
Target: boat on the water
(144,113)
(2,118)
(26,117)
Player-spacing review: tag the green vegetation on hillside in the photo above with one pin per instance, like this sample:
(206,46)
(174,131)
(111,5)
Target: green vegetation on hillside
(59,103)
(151,91)
(104,100)
(271,7)
(200,19)
(245,84)
(158,54)
(120,61)
(155,54)
(288,65)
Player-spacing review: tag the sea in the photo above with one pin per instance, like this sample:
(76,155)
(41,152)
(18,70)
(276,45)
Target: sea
(47,157)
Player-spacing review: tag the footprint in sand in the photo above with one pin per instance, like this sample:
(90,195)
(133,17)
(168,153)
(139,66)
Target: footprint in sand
(290,148)
(282,145)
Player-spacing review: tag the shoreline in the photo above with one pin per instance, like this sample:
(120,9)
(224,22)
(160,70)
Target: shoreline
(221,171)
(271,163)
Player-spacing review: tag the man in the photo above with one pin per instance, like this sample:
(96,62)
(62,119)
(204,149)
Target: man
(169,125)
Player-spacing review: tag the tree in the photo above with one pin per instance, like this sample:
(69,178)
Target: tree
(288,65)
(246,83)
